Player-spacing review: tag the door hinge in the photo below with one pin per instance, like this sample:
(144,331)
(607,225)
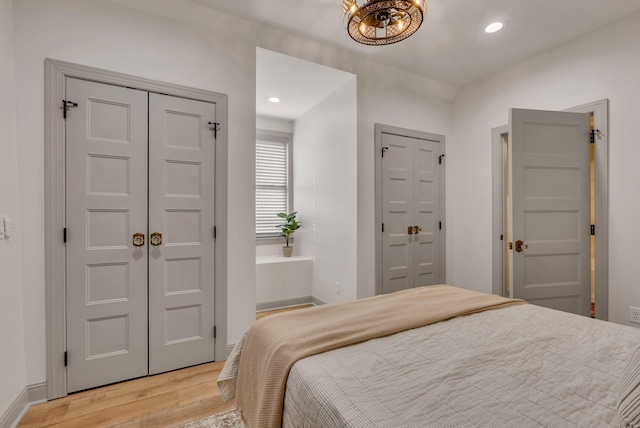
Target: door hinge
(593,230)
(66,105)
(440,158)
(65,358)
(215,232)
(383,227)
(502,237)
(64,235)
(592,135)
(215,127)
(215,332)
(440,225)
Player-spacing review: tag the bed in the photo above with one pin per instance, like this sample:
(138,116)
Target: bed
(516,365)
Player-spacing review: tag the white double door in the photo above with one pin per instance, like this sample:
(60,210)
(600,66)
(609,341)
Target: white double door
(411,211)
(139,233)
(549,160)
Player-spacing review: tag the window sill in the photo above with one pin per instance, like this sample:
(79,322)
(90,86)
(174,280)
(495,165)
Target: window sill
(263,260)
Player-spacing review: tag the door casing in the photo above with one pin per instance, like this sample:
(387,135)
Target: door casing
(380,129)
(55,275)
(600,111)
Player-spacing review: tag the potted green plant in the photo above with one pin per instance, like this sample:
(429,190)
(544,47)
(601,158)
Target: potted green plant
(287,230)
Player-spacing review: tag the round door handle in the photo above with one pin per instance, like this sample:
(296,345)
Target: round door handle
(156,239)
(521,246)
(410,230)
(138,239)
(416,230)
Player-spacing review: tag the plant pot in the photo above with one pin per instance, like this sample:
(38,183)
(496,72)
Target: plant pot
(287,251)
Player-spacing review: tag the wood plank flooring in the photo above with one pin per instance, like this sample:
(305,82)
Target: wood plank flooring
(164,400)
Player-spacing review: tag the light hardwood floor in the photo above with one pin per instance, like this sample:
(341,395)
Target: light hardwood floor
(165,400)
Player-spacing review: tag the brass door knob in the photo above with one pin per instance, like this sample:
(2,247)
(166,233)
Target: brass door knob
(156,239)
(416,230)
(138,239)
(410,230)
(521,246)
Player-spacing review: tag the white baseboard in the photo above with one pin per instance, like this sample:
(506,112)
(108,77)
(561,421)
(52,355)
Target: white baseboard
(37,393)
(32,394)
(285,303)
(317,301)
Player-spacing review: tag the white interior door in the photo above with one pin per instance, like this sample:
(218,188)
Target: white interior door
(410,177)
(106,203)
(181,202)
(549,163)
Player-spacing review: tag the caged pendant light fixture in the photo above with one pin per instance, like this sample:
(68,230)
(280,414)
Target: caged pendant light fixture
(382,22)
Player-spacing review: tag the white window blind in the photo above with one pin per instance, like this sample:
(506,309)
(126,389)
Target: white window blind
(272,185)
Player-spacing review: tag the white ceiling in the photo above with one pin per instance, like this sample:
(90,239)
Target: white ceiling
(451,45)
(300,84)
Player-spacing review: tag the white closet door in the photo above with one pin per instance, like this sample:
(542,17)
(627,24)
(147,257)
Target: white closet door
(106,203)
(411,177)
(181,209)
(549,162)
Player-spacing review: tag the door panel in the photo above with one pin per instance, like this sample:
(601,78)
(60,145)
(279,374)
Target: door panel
(181,208)
(426,194)
(397,207)
(410,198)
(549,161)
(106,188)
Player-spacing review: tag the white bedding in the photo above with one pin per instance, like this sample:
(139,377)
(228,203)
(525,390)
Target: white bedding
(523,366)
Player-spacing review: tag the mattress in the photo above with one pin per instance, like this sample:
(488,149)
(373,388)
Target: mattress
(523,366)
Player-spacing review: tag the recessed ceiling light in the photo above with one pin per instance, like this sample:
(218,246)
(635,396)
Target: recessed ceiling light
(492,28)
(274,99)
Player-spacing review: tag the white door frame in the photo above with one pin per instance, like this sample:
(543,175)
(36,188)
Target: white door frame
(600,111)
(55,74)
(380,129)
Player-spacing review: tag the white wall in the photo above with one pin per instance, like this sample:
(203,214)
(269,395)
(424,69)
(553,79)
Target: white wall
(602,64)
(111,36)
(325,192)
(273,124)
(12,366)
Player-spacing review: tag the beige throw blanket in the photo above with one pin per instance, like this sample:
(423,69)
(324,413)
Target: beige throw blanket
(273,344)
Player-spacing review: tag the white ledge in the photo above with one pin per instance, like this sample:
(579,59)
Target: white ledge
(262,260)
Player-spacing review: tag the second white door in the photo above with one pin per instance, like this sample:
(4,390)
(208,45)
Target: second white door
(549,163)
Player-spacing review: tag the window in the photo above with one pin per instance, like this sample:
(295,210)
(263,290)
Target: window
(273,181)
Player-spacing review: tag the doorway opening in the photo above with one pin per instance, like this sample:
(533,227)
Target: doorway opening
(306,155)
(598,185)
